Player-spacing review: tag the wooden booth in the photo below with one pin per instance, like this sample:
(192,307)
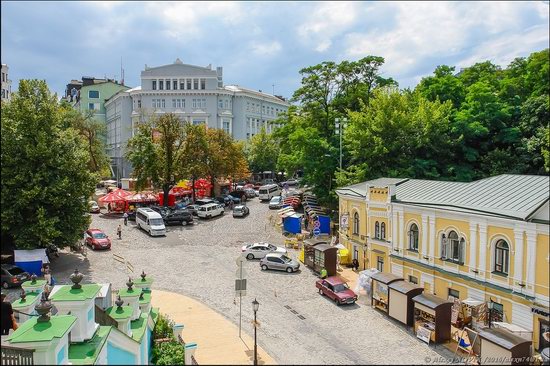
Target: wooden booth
(432,318)
(380,282)
(401,306)
(501,347)
(319,254)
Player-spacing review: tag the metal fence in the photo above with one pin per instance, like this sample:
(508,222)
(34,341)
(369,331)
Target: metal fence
(17,356)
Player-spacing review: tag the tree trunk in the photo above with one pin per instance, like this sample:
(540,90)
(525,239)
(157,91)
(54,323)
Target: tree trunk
(166,190)
(213,191)
(193,189)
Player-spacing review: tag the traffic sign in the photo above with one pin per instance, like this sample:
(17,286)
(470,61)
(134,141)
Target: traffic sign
(316,231)
(240,285)
(241,273)
(240,293)
(239,260)
(316,224)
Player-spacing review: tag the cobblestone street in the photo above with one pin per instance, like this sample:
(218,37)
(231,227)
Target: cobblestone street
(298,326)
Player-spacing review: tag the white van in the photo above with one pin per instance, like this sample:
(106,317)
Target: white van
(210,210)
(269,191)
(150,221)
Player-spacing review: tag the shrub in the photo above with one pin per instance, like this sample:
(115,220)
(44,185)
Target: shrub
(166,353)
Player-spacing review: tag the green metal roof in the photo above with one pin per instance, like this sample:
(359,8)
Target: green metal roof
(85,353)
(130,293)
(29,300)
(117,313)
(146,297)
(29,284)
(33,331)
(139,326)
(66,293)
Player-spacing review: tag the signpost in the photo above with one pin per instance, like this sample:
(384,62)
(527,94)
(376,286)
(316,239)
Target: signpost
(240,286)
(316,232)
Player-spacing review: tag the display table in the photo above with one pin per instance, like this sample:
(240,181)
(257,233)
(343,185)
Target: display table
(433,315)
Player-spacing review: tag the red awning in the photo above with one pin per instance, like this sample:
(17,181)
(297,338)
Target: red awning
(118,195)
(142,197)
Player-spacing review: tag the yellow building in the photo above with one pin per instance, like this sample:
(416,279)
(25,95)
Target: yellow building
(486,240)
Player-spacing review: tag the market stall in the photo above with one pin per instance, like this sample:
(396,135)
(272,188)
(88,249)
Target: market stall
(401,306)
(380,282)
(501,347)
(140,199)
(319,255)
(432,318)
(115,200)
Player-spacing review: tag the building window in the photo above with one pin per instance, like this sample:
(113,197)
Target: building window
(226,125)
(247,106)
(263,109)
(199,121)
(356,223)
(413,279)
(203,103)
(188,84)
(93,94)
(203,84)
(452,248)
(182,85)
(454,293)
(154,86)
(413,238)
(377,230)
(168,84)
(380,264)
(383,230)
(502,252)
(173,103)
(196,84)
(174,84)
(220,103)
(163,103)
(93,106)
(161,84)
(139,103)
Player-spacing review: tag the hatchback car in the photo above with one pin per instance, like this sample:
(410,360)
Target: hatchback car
(259,250)
(336,289)
(276,202)
(97,239)
(240,211)
(250,192)
(192,209)
(280,262)
(94,207)
(13,276)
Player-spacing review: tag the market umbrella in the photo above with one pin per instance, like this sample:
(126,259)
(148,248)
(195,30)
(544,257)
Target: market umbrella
(118,195)
(142,197)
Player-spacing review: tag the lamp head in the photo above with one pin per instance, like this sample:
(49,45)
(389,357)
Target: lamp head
(255,305)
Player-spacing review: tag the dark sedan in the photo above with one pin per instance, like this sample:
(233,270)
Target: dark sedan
(13,276)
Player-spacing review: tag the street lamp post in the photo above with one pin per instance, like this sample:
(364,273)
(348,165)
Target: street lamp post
(255,306)
(339,130)
(490,312)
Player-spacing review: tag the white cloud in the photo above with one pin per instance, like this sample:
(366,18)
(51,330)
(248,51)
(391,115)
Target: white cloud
(329,20)
(266,49)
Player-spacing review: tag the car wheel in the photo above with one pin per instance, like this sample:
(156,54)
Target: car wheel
(289,270)
(92,247)
(337,302)
(250,256)
(321,292)
(183,223)
(5,285)
(264,267)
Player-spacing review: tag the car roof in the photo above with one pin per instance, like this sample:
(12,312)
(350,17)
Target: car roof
(239,206)
(275,255)
(95,230)
(334,280)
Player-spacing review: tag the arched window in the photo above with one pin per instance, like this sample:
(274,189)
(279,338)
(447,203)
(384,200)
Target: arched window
(502,252)
(452,248)
(383,230)
(377,230)
(413,237)
(356,223)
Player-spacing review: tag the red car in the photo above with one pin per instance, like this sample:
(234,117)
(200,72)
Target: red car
(97,239)
(336,289)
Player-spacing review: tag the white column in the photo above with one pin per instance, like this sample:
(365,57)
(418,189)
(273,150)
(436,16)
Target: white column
(482,248)
(401,230)
(531,260)
(424,236)
(394,241)
(518,256)
(473,246)
(432,238)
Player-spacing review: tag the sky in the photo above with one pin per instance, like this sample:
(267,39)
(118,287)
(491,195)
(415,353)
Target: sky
(262,45)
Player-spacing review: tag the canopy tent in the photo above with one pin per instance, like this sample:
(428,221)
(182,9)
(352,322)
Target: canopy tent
(142,197)
(117,195)
(31,260)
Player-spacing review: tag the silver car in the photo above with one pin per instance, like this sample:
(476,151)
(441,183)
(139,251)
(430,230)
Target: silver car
(280,262)
(240,211)
(259,250)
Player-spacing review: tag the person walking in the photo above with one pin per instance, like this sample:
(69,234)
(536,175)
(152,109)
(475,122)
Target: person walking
(125,218)
(119,232)
(323,273)
(8,320)
(355,264)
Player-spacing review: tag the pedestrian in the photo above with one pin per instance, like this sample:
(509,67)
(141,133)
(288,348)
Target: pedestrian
(8,320)
(324,273)
(355,264)
(119,232)
(125,218)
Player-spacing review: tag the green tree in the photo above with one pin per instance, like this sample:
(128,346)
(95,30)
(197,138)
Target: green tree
(262,152)
(46,182)
(195,153)
(443,85)
(156,153)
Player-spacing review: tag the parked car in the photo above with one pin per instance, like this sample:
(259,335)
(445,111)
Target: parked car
(240,211)
(94,207)
(238,194)
(97,239)
(259,250)
(336,289)
(174,216)
(279,262)
(210,210)
(192,209)
(12,276)
(250,192)
(276,202)
(204,201)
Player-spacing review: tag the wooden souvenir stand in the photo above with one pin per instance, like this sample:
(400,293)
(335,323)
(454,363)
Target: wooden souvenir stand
(401,306)
(380,296)
(502,347)
(432,318)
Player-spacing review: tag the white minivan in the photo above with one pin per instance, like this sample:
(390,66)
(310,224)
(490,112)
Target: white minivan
(150,221)
(269,191)
(210,210)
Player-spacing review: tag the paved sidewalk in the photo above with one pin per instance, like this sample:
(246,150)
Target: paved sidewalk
(217,338)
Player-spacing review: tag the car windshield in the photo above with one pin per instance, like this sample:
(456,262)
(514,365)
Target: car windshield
(99,236)
(341,287)
(285,259)
(156,222)
(272,247)
(15,271)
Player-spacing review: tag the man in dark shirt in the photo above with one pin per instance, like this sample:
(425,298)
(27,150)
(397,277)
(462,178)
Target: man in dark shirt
(7,313)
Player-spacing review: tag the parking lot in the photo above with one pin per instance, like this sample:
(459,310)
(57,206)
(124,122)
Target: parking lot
(298,326)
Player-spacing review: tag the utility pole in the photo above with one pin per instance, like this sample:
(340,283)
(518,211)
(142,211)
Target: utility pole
(339,129)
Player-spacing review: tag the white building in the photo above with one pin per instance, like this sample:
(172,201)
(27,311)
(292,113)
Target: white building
(6,83)
(196,94)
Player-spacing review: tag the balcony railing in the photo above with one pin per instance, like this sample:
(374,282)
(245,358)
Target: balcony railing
(17,356)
